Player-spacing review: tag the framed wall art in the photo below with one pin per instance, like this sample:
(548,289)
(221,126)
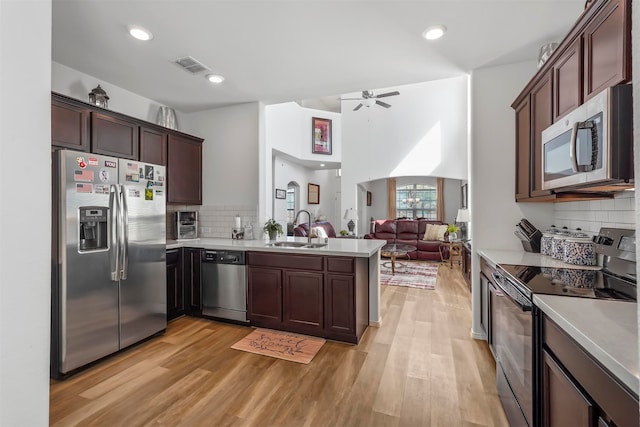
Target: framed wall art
(368,198)
(313,192)
(281,194)
(321,136)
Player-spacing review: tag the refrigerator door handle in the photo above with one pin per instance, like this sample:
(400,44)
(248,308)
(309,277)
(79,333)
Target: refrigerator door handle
(114,247)
(124,236)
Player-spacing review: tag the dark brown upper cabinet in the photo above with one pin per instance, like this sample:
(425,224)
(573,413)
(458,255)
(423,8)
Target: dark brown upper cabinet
(184,170)
(69,125)
(113,136)
(607,48)
(567,79)
(541,118)
(80,126)
(523,149)
(153,146)
(595,54)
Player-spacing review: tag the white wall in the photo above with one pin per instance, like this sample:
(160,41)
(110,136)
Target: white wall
(289,130)
(229,153)
(492,205)
(25,281)
(424,133)
(285,171)
(73,83)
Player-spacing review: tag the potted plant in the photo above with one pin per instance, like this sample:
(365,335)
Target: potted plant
(453,229)
(343,233)
(273,228)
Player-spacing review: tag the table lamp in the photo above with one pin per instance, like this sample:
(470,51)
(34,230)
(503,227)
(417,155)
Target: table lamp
(463,217)
(351,215)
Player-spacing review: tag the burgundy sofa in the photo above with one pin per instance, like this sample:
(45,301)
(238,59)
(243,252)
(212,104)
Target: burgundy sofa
(407,232)
(302,230)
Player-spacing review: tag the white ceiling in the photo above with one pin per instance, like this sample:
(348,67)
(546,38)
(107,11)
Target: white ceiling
(277,51)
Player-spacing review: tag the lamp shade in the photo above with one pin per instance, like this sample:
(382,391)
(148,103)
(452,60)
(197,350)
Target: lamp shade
(351,214)
(463,215)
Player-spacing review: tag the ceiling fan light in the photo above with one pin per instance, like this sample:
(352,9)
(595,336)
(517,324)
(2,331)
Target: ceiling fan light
(434,32)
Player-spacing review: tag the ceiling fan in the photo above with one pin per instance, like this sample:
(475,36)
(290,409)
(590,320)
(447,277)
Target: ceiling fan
(368,99)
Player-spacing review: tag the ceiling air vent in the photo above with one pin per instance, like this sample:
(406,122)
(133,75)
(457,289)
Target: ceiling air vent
(191,65)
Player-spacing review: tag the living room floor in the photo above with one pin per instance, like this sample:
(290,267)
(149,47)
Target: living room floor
(420,368)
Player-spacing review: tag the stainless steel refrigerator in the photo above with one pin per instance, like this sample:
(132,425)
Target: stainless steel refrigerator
(109,273)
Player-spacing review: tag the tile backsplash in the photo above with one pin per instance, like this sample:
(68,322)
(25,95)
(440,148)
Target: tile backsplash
(216,221)
(618,212)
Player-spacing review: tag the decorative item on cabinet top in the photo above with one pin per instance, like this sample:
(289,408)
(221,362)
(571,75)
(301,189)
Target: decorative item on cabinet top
(99,97)
(167,117)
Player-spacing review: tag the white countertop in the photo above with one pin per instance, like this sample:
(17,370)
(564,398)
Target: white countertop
(607,329)
(527,258)
(336,246)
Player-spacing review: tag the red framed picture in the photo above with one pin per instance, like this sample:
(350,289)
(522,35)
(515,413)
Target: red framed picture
(321,136)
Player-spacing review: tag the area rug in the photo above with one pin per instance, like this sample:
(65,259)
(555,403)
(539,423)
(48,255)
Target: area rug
(414,274)
(282,345)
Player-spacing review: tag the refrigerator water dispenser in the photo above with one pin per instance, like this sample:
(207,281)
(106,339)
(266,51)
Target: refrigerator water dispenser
(93,228)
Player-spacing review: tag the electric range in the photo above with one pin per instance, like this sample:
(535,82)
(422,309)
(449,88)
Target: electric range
(616,280)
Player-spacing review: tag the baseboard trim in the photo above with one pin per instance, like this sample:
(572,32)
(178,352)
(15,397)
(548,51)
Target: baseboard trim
(376,324)
(479,336)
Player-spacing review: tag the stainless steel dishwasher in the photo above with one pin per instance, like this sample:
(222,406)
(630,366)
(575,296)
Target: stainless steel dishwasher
(224,285)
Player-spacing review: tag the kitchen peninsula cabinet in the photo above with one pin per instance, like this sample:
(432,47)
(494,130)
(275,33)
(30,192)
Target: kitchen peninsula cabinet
(575,390)
(184,169)
(192,268)
(324,296)
(113,136)
(595,54)
(175,287)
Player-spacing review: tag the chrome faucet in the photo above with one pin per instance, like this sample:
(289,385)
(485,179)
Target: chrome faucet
(309,229)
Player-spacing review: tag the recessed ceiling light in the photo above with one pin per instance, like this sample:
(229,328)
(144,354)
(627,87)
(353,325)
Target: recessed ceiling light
(321,165)
(215,78)
(434,32)
(140,33)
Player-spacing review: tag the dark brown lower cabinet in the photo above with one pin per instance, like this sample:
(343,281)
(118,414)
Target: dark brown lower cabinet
(309,294)
(175,287)
(303,300)
(339,303)
(264,305)
(575,389)
(192,268)
(564,403)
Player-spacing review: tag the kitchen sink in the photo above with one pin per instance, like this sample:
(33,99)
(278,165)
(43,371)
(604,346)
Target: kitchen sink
(297,245)
(315,245)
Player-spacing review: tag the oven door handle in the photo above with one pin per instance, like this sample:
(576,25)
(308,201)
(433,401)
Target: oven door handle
(498,282)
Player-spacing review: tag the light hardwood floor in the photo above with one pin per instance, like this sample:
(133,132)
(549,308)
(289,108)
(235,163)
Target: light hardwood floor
(420,368)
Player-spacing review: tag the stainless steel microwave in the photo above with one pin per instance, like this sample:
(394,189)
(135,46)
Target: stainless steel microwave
(592,145)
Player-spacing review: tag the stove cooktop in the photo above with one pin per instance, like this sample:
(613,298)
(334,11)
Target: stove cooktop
(571,282)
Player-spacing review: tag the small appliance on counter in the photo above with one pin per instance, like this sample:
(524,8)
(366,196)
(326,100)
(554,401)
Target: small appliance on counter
(186,225)
(529,235)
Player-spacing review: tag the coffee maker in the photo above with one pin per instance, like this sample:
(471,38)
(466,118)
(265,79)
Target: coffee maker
(186,225)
